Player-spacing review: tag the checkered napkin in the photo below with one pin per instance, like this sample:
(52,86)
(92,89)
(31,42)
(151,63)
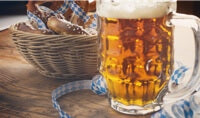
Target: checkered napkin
(65,89)
(39,22)
(187,108)
(94,23)
(63,9)
(97,85)
(178,74)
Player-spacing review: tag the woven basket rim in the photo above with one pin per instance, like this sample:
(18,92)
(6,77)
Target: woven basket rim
(13,29)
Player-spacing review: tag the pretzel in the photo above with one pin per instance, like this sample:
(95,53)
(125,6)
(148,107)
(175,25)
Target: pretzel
(27,27)
(34,7)
(62,26)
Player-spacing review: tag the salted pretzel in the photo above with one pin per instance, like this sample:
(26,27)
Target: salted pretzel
(34,7)
(62,26)
(27,27)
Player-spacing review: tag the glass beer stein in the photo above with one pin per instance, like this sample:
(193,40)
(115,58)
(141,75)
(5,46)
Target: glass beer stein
(137,53)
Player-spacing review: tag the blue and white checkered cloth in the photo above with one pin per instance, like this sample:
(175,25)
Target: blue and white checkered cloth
(187,108)
(97,85)
(39,22)
(94,23)
(78,11)
(178,74)
(63,8)
(181,109)
(65,89)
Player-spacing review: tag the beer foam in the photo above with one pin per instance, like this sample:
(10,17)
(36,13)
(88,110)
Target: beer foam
(129,9)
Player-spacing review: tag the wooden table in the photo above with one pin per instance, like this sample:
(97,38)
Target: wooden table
(25,93)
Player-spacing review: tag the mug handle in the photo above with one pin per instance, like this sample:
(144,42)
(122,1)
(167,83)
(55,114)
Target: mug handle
(193,83)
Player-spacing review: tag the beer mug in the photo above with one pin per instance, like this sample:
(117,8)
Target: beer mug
(137,53)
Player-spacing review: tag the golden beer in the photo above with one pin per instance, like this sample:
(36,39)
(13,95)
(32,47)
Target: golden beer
(136,58)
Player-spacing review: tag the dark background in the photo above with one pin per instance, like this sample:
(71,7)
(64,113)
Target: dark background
(18,7)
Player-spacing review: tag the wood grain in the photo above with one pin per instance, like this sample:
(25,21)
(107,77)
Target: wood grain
(25,93)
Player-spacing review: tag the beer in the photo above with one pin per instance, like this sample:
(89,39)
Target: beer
(136,56)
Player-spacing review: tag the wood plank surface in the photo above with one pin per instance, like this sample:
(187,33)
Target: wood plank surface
(25,93)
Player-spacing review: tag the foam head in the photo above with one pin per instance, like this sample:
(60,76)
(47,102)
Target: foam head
(131,9)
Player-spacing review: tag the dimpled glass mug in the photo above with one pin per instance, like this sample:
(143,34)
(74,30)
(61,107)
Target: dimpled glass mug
(137,53)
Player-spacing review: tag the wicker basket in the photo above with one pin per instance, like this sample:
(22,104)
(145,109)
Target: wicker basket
(59,56)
